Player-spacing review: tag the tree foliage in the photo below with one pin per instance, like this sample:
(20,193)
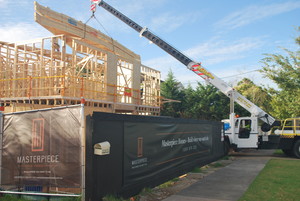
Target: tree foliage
(208,103)
(205,101)
(284,70)
(256,94)
(171,91)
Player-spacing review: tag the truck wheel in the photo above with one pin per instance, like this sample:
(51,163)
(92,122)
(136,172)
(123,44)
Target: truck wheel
(288,152)
(296,149)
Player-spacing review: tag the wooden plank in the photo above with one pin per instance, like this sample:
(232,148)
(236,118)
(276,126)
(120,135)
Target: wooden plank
(58,23)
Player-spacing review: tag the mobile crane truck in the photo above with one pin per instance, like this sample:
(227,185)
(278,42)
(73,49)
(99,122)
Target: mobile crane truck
(240,132)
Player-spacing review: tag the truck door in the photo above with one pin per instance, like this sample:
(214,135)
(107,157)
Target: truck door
(246,135)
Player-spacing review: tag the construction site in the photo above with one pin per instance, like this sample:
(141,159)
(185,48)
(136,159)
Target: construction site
(77,65)
(78,62)
(80,116)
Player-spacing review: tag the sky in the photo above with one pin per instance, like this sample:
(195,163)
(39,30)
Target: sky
(229,38)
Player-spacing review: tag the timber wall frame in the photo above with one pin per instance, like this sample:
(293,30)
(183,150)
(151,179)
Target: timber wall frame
(46,72)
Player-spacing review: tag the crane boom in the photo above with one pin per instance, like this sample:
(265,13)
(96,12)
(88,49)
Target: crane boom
(196,67)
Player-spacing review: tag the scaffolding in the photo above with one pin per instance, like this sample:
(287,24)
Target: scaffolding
(64,68)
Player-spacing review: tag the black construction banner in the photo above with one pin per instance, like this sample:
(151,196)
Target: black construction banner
(153,148)
(146,151)
(42,148)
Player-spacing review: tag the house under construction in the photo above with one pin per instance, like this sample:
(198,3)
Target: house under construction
(78,61)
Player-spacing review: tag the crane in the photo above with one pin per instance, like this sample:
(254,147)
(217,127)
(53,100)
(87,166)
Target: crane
(240,132)
(194,66)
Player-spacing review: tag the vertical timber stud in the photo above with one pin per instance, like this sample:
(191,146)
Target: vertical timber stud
(15,71)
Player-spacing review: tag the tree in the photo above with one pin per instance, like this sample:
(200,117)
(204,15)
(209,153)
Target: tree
(209,103)
(256,94)
(204,102)
(171,90)
(284,70)
(188,102)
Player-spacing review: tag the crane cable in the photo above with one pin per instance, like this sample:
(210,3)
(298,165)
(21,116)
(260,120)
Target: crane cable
(84,31)
(93,9)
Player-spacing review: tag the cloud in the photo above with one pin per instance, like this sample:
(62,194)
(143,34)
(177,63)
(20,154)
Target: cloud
(4,9)
(133,7)
(136,9)
(168,22)
(21,31)
(216,51)
(254,13)
(11,5)
(3,3)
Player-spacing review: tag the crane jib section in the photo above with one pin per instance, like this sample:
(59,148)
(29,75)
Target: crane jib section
(191,65)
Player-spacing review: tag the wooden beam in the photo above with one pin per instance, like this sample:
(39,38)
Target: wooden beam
(58,23)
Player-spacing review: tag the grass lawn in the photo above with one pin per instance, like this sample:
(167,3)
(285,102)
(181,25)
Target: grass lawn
(279,180)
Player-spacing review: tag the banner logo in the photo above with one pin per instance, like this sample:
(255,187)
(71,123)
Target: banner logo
(37,143)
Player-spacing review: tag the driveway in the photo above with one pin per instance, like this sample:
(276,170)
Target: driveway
(228,183)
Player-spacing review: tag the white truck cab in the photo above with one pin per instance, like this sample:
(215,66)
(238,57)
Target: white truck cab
(244,133)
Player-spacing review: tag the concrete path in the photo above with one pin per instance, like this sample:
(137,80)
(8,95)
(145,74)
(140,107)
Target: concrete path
(228,183)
